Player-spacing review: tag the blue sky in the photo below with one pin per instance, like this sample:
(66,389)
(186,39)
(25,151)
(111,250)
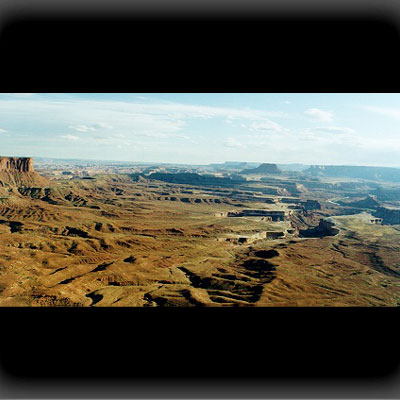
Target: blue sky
(201,128)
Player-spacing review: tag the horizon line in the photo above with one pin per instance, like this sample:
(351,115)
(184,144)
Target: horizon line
(210,163)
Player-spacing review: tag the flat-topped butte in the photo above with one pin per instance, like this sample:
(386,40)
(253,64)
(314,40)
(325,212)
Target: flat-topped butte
(20,164)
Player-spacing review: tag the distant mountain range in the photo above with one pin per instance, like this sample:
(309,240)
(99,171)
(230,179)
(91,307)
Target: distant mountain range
(239,165)
(263,169)
(81,161)
(358,172)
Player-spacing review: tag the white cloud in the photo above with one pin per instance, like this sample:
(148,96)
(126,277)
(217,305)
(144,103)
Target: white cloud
(102,125)
(23,95)
(390,144)
(264,126)
(332,129)
(184,111)
(161,119)
(320,115)
(2,130)
(90,128)
(233,143)
(69,137)
(82,128)
(162,135)
(387,112)
(119,136)
(136,125)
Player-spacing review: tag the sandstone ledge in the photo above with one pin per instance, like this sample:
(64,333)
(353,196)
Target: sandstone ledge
(20,164)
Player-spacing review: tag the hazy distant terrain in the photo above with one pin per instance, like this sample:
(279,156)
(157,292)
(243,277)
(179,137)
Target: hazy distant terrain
(104,233)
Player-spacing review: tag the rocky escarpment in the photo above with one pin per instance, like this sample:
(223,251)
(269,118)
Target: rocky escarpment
(369,173)
(274,215)
(19,171)
(311,205)
(390,216)
(325,228)
(16,164)
(367,202)
(263,169)
(196,179)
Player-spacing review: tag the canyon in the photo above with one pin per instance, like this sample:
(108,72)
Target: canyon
(99,235)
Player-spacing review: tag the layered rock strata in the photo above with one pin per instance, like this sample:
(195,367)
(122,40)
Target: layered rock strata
(19,164)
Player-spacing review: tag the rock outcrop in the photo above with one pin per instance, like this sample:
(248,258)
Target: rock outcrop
(311,205)
(196,179)
(19,172)
(367,202)
(358,172)
(325,228)
(263,169)
(16,164)
(390,216)
(275,215)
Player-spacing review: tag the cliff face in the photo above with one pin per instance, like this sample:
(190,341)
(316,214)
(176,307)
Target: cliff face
(367,202)
(195,179)
(389,216)
(311,205)
(263,169)
(19,171)
(325,228)
(368,173)
(16,164)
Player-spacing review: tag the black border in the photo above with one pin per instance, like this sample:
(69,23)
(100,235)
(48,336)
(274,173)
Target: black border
(255,53)
(206,343)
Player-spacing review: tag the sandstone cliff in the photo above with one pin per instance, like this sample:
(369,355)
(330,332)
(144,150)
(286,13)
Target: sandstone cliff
(263,169)
(19,171)
(325,228)
(19,164)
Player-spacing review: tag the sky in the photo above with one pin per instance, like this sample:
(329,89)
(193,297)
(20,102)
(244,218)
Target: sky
(202,128)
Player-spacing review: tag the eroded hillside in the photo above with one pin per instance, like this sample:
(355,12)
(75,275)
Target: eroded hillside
(130,240)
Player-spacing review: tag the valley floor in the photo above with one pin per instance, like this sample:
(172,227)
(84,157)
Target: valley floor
(114,242)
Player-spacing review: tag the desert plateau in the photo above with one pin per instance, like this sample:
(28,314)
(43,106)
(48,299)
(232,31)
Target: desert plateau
(101,234)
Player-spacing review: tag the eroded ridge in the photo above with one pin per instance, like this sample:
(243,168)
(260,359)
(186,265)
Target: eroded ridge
(106,235)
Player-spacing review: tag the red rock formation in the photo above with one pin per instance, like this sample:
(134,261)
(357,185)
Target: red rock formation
(19,172)
(20,164)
